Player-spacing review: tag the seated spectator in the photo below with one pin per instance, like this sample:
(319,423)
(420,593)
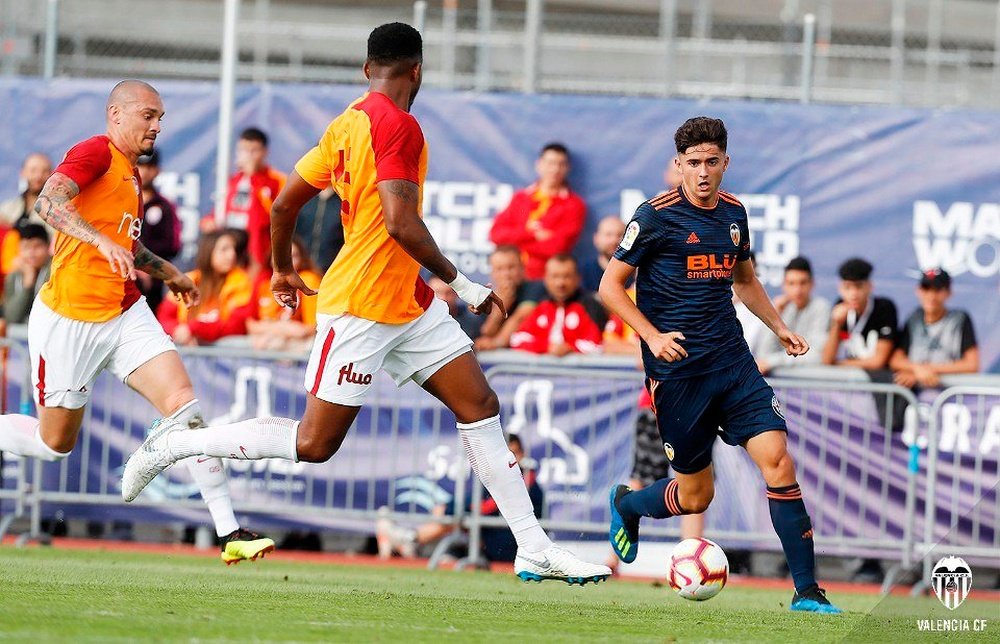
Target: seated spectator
(544,219)
(498,544)
(619,338)
(226,293)
(804,314)
(469,321)
(161,229)
(934,340)
(20,210)
(862,330)
(33,266)
(273,327)
(609,233)
(519,298)
(568,320)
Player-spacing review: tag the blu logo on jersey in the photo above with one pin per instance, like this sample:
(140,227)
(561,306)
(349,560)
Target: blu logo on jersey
(711,266)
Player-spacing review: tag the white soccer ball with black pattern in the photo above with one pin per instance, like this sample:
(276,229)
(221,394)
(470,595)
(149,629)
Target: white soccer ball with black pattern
(698,569)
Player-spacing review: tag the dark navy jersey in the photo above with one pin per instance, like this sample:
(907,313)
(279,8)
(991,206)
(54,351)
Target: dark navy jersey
(685,257)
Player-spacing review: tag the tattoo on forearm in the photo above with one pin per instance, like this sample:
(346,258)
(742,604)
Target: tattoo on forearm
(149,262)
(55,206)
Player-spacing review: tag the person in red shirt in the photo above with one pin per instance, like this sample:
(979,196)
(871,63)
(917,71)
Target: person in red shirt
(569,320)
(544,219)
(249,196)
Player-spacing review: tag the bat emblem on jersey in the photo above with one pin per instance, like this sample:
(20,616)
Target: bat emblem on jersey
(734,234)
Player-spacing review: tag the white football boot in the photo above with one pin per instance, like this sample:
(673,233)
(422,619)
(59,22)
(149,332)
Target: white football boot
(555,562)
(152,457)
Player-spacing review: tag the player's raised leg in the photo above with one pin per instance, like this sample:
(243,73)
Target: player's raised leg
(462,387)
(50,437)
(164,382)
(669,497)
(769,451)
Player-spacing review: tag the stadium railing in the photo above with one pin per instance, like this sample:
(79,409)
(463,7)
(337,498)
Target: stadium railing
(865,484)
(15,396)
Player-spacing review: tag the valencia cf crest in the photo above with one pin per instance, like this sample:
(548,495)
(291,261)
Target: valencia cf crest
(951,579)
(668,449)
(734,234)
(776,406)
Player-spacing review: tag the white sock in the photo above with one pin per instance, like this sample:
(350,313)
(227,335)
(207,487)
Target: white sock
(246,440)
(19,434)
(210,475)
(491,458)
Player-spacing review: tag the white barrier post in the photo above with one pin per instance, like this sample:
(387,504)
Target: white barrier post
(227,83)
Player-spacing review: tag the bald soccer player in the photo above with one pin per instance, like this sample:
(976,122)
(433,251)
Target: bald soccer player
(90,316)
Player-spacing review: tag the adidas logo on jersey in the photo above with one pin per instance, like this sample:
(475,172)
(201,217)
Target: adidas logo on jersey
(693,239)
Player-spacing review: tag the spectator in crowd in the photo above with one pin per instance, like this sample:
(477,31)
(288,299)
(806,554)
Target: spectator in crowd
(862,331)
(804,314)
(497,543)
(252,190)
(544,219)
(320,226)
(161,229)
(519,298)
(934,340)
(469,321)
(20,210)
(33,266)
(226,292)
(609,233)
(273,327)
(568,320)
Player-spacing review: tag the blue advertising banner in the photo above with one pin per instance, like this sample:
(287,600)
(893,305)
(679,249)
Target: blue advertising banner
(578,428)
(828,182)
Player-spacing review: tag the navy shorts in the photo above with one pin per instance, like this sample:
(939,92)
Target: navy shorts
(735,403)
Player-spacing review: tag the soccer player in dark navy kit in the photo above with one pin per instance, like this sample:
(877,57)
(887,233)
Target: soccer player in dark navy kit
(691,247)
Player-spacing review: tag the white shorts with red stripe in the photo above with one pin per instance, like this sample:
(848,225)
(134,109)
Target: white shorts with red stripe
(348,351)
(67,354)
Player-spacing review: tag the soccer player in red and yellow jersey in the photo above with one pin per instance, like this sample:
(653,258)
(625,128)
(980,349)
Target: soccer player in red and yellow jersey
(90,316)
(374,311)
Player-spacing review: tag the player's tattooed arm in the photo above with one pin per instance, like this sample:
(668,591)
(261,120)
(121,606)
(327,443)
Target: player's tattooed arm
(55,206)
(400,203)
(149,262)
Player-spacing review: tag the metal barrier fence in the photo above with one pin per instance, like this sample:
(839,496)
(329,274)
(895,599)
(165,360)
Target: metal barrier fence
(871,491)
(870,51)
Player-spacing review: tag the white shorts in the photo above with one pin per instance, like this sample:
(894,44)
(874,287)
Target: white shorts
(349,350)
(67,354)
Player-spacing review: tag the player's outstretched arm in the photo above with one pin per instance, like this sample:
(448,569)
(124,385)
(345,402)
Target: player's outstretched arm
(285,282)
(665,346)
(55,206)
(400,200)
(179,284)
(751,292)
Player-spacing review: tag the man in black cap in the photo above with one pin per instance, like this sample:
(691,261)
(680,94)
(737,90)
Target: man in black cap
(161,229)
(935,340)
(862,327)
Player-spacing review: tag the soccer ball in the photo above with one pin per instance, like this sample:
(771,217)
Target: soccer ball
(698,569)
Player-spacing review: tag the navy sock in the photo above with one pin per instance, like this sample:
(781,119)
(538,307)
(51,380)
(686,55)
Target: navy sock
(658,501)
(794,528)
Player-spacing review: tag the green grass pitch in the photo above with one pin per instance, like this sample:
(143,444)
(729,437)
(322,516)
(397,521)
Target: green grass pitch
(51,594)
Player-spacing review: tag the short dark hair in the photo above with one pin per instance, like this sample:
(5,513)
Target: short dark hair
(565,257)
(509,249)
(799,263)
(395,42)
(151,159)
(855,270)
(701,129)
(33,231)
(555,146)
(254,134)
(514,438)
